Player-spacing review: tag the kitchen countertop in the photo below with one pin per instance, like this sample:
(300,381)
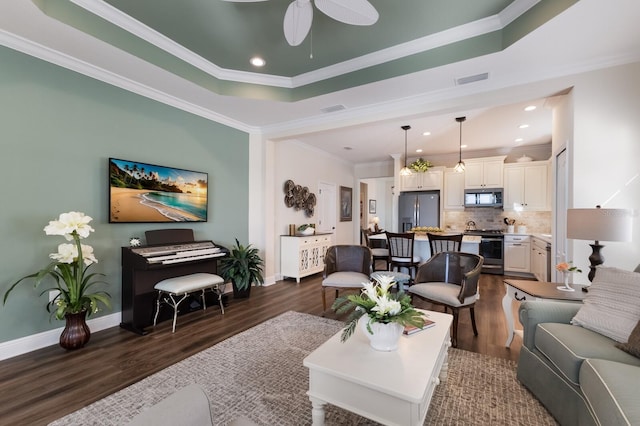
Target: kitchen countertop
(544,237)
(469,239)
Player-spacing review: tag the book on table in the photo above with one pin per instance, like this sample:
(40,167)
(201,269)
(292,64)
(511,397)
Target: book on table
(410,329)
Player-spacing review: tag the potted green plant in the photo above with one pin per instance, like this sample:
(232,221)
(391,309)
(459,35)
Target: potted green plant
(243,267)
(76,297)
(420,165)
(385,314)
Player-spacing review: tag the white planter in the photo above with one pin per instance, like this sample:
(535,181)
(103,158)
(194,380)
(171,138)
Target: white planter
(385,337)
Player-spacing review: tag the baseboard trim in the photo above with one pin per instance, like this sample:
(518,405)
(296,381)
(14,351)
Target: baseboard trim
(34,342)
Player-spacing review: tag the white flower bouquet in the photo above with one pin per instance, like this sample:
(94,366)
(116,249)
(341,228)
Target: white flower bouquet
(70,268)
(379,304)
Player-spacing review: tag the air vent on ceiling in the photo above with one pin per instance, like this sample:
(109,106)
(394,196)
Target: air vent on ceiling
(333,108)
(472,78)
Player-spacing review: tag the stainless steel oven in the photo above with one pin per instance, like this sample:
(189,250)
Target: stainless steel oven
(492,249)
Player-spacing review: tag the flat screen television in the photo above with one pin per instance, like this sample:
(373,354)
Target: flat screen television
(148,193)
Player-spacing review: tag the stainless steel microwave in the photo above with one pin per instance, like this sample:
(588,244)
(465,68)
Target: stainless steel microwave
(491,197)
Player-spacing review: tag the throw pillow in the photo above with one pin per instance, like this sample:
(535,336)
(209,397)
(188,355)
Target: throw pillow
(612,306)
(633,345)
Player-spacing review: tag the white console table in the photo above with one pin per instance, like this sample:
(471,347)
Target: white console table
(301,256)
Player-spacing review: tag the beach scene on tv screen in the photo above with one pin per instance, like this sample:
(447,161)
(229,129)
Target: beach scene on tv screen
(141,192)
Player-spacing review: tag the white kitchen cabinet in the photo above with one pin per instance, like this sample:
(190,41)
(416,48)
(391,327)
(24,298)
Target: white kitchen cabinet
(426,181)
(453,190)
(526,186)
(517,253)
(301,256)
(540,265)
(485,172)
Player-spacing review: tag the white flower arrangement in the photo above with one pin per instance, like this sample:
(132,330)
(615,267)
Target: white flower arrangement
(379,304)
(69,269)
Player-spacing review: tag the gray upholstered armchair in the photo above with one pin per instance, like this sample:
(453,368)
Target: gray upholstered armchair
(345,267)
(450,279)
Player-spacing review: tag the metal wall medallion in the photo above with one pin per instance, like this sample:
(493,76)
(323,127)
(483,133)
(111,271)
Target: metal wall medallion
(299,197)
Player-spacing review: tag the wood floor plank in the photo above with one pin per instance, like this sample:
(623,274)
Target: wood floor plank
(47,384)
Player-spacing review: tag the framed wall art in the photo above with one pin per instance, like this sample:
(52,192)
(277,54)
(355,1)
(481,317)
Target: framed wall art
(372,206)
(148,193)
(346,204)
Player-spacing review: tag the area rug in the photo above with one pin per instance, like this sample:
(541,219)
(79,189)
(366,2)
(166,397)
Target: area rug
(259,374)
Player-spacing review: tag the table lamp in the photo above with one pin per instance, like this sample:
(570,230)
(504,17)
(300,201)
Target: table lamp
(599,225)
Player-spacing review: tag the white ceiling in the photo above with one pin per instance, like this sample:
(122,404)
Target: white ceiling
(590,34)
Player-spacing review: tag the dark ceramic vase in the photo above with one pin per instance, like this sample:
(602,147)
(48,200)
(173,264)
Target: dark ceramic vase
(76,333)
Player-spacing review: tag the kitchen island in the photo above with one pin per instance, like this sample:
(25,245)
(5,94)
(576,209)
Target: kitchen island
(470,244)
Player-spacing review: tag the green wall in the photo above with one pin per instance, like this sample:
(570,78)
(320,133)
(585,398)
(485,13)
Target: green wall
(58,130)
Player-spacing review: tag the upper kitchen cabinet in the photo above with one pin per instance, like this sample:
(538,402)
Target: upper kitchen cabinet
(426,181)
(483,173)
(526,186)
(453,190)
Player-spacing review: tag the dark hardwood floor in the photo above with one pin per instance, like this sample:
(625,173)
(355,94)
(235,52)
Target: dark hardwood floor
(47,384)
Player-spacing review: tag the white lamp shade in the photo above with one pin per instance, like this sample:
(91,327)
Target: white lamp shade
(599,224)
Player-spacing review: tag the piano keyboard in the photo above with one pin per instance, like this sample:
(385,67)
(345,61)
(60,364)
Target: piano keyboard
(189,259)
(179,253)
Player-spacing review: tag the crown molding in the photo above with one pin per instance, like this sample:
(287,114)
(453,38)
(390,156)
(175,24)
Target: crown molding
(61,59)
(515,10)
(462,32)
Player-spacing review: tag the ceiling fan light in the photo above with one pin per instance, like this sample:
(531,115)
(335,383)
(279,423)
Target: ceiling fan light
(353,12)
(297,21)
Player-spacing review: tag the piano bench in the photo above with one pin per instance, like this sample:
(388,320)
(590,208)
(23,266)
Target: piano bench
(174,291)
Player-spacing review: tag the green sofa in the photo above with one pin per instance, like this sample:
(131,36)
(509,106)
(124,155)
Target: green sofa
(580,376)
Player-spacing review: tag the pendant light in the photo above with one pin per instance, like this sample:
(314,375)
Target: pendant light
(459,168)
(405,171)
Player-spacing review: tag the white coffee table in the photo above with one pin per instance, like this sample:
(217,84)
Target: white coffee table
(392,388)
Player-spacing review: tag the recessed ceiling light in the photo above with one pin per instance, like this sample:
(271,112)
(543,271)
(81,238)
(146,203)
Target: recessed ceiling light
(463,146)
(426,134)
(530,108)
(519,140)
(523,126)
(418,151)
(257,61)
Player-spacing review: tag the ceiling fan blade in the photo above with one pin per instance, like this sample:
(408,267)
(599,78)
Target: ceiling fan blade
(297,21)
(354,12)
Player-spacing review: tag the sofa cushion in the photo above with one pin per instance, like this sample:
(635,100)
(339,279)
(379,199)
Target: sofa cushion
(633,344)
(567,346)
(188,406)
(610,389)
(612,306)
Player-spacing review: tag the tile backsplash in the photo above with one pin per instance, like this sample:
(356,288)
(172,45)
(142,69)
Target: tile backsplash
(486,218)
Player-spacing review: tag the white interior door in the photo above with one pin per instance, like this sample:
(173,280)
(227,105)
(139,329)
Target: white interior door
(326,207)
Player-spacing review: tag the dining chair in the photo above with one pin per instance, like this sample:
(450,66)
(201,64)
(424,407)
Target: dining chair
(346,267)
(450,279)
(443,242)
(378,253)
(401,252)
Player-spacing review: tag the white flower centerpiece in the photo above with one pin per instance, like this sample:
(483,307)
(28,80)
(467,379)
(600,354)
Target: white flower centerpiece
(70,270)
(566,269)
(384,314)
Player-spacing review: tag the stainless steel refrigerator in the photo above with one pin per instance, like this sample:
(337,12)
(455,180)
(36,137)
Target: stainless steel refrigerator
(418,209)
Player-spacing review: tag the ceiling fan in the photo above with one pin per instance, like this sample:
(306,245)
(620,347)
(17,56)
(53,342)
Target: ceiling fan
(297,19)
